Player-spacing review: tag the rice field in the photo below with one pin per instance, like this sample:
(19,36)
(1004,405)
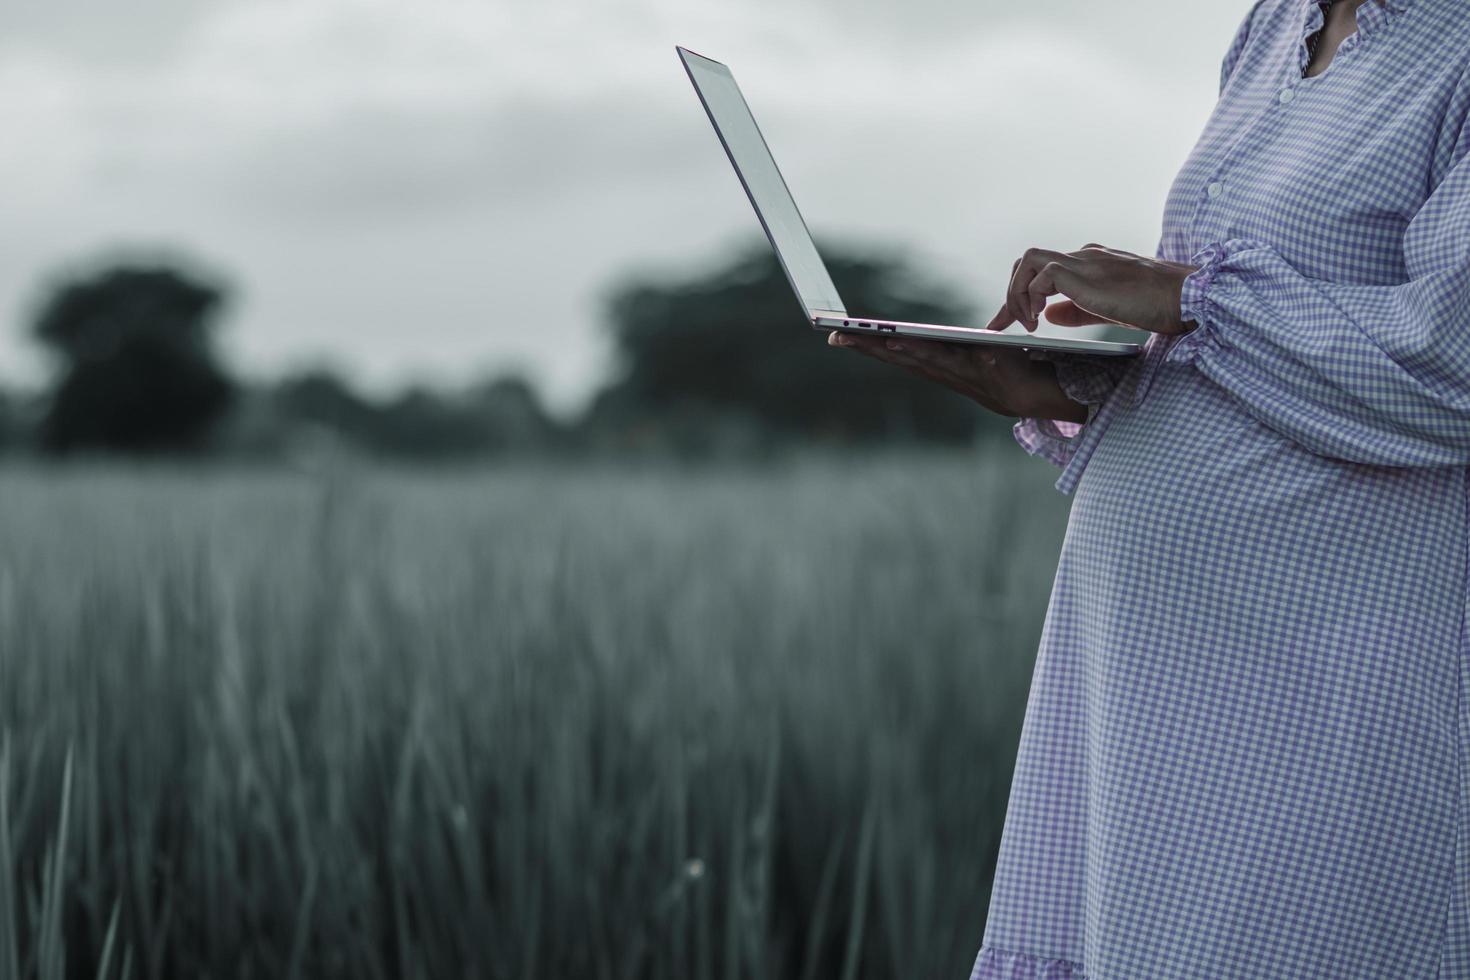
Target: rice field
(565,722)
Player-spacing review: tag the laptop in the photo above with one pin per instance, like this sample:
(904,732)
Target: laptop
(794,247)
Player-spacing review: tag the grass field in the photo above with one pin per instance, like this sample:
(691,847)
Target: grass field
(567,723)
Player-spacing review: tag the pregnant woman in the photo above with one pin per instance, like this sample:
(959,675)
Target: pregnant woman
(1245,748)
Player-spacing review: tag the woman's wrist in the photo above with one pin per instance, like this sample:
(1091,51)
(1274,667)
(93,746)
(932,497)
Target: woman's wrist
(1058,407)
(1071,412)
(1050,400)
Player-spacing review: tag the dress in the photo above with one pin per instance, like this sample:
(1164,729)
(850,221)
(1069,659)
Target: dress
(1244,749)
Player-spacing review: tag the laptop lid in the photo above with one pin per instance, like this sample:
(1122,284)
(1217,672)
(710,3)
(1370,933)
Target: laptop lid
(763,184)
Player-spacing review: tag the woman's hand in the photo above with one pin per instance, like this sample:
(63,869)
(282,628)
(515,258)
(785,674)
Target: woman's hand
(1102,285)
(1006,380)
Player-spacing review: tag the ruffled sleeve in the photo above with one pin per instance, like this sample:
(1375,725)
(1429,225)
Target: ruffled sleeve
(1087,380)
(1369,374)
(994,963)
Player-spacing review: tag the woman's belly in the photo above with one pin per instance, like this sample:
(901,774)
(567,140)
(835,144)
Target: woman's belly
(1212,565)
(1265,647)
(1187,490)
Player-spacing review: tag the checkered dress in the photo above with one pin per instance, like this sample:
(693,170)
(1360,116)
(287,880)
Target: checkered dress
(1244,750)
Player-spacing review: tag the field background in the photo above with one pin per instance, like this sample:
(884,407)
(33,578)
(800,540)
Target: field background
(586,721)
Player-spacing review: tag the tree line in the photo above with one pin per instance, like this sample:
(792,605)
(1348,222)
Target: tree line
(719,362)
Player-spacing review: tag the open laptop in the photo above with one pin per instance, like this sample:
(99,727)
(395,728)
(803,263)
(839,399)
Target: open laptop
(793,243)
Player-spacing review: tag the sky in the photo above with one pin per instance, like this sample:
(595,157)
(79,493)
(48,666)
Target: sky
(440,191)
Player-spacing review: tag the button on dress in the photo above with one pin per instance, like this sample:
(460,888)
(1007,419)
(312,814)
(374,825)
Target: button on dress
(1245,745)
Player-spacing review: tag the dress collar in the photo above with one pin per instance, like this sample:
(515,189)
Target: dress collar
(1397,6)
(1371,16)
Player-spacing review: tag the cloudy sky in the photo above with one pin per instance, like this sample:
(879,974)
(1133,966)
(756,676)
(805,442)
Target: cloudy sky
(439,190)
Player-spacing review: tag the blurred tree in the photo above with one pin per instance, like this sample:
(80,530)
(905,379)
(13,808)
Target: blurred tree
(420,423)
(497,416)
(321,397)
(138,368)
(13,422)
(729,351)
(511,415)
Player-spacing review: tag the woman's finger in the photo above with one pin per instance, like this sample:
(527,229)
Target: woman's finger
(1020,275)
(886,349)
(931,359)
(953,358)
(1054,277)
(1065,313)
(899,353)
(1005,316)
(1018,298)
(1002,318)
(966,369)
(935,372)
(857,342)
(904,352)
(932,355)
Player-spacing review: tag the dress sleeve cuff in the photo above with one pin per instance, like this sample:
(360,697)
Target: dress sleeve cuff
(1055,439)
(1195,302)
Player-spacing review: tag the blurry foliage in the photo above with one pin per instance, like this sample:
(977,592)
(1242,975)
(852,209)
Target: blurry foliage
(501,415)
(19,417)
(138,371)
(729,353)
(720,363)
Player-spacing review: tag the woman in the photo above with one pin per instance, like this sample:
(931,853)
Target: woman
(1245,747)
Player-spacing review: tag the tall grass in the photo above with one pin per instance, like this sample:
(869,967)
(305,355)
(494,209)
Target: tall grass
(588,723)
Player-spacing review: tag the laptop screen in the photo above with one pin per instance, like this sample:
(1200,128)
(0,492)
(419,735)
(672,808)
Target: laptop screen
(763,183)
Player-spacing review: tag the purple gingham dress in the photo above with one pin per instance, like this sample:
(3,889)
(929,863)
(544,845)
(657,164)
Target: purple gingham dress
(1244,750)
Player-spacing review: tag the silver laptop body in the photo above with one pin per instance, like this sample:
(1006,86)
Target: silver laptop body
(794,247)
